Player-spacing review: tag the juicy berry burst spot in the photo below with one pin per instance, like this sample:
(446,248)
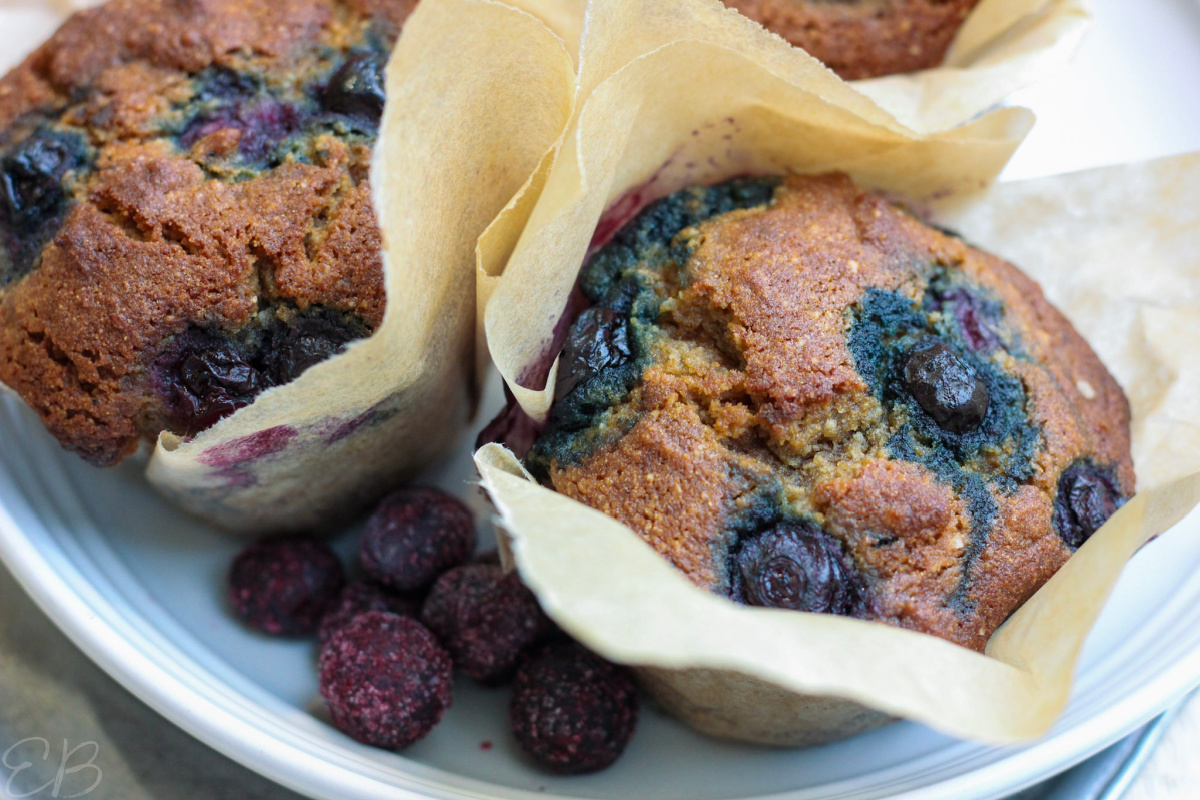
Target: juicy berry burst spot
(488,620)
(293,347)
(976,317)
(206,376)
(357,88)
(31,178)
(385,680)
(1087,496)
(571,710)
(414,536)
(797,567)
(598,340)
(284,585)
(946,386)
(33,201)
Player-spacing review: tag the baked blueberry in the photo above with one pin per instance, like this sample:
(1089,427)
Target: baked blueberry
(31,178)
(1087,496)
(205,376)
(357,88)
(946,386)
(977,318)
(798,567)
(599,340)
(306,340)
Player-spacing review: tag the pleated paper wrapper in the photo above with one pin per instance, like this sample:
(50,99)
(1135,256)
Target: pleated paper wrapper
(477,92)
(1118,250)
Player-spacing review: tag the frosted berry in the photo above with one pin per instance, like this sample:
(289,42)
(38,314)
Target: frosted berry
(284,585)
(487,619)
(414,536)
(572,711)
(385,680)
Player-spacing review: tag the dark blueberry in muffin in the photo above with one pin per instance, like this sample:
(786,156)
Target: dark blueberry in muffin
(598,340)
(294,346)
(385,680)
(414,536)
(205,376)
(357,88)
(946,386)
(572,711)
(33,200)
(487,620)
(797,567)
(31,178)
(1087,497)
(284,585)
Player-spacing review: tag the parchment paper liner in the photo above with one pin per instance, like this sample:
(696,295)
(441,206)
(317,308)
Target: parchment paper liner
(477,93)
(699,99)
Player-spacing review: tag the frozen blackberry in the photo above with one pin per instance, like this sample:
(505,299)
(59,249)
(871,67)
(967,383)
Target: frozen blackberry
(571,710)
(414,536)
(486,619)
(360,597)
(284,585)
(385,680)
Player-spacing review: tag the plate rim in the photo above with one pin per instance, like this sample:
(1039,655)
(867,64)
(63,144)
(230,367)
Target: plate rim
(237,737)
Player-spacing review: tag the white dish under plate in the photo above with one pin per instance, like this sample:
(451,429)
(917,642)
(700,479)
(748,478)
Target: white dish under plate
(139,587)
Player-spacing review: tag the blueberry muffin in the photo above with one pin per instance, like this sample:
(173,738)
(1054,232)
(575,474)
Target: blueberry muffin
(806,398)
(185,210)
(864,38)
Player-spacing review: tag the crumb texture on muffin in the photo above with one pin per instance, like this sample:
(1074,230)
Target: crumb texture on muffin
(864,38)
(805,397)
(185,210)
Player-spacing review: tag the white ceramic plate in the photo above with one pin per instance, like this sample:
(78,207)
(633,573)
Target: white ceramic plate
(139,588)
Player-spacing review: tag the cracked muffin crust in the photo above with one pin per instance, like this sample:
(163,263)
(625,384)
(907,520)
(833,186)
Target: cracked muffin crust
(806,398)
(185,211)
(864,38)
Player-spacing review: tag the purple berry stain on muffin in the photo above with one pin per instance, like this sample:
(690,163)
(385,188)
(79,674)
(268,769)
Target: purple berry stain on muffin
(572,711)
(414,536)
(284,585)
(487,619)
